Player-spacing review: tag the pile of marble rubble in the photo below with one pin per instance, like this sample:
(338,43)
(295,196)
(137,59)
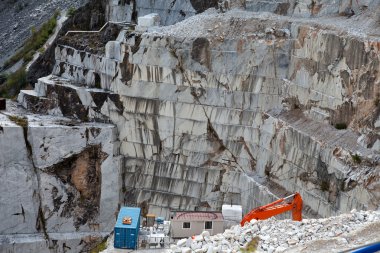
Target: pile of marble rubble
(281,235)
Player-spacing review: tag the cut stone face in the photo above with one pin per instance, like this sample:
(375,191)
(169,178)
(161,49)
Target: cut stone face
(223,108)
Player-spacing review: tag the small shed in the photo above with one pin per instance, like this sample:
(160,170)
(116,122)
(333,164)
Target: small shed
(187,223)
(127,228)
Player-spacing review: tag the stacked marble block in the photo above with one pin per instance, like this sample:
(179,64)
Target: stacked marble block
(148,21)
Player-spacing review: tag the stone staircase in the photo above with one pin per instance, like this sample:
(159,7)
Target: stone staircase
(58,96)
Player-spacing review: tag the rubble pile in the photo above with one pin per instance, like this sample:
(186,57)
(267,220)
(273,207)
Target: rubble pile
(280,235)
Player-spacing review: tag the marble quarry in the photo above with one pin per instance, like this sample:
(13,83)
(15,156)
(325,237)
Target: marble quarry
(241,103)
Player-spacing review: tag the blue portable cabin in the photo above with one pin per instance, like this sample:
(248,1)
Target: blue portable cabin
(126,236)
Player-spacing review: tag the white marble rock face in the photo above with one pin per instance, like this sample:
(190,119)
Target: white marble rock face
(196,116)
(43,183)
(19,205)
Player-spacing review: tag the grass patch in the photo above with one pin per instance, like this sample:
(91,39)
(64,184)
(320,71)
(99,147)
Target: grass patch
(341,126)
(3,78)
(41,50)
(37,40)
(29,56)
(100,247)
(251,246)
(71,11)
(13,83)
(356,158)
(21,121)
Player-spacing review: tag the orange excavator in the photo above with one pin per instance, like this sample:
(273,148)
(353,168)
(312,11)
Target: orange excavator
(275,208)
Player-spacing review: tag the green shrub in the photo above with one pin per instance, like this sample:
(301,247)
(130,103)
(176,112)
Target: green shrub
(251,246)
(100,247)
(356,158)
(13,84)
(71,11)
(21,121)
(41,50)
(341,126)
(3,78)
(37,40)
(29,56)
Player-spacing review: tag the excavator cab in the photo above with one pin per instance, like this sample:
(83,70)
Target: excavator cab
(277,207)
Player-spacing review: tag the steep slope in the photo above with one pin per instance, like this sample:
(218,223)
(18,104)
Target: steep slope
(18,17)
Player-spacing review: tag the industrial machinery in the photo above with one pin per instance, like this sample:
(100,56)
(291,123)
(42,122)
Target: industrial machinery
(127,220)
(150,219)
(275,208)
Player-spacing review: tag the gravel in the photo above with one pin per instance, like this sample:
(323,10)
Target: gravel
(280,235)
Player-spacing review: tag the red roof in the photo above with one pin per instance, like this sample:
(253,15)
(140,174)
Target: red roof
(198,216)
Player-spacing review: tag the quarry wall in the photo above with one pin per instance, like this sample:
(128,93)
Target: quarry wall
(237,107)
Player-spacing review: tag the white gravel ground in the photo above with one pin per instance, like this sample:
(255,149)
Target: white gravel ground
(211,23)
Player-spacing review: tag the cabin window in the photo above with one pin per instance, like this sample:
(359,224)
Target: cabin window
(208,224)
(186,225)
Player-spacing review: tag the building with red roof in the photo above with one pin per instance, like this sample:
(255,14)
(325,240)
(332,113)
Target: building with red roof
(189,223)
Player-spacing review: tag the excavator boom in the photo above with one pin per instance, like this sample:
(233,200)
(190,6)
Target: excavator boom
(275,208)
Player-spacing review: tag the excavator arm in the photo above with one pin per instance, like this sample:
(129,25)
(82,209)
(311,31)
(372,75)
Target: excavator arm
(277,207)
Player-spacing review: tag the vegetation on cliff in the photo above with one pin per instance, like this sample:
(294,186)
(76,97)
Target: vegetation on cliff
(17,80)
(37,40)
(13,83)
